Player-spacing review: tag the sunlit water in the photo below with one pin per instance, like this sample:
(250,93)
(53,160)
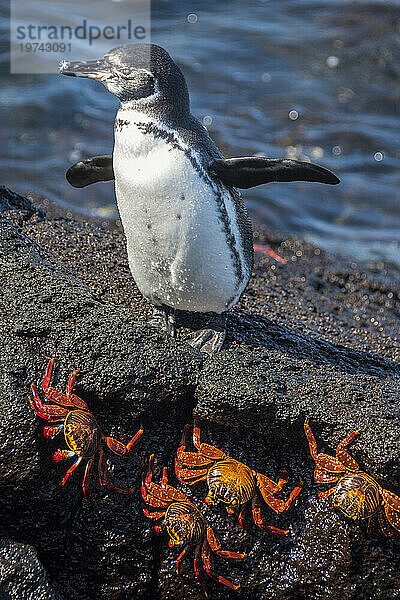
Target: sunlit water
(300,79)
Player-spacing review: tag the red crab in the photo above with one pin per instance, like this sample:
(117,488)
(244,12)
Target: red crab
(81,430)
(263,249)
(185,526)
(356,493)
(231,482)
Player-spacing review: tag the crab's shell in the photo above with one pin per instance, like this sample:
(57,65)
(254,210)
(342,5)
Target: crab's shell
(185,524)
(82,433)
(230,479)
(357,495)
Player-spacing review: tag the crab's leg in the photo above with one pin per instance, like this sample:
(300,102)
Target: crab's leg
(60,455)
(322,476)
(211,452)
(387,529)
(71,469)
(193,479)
(59,398)
(215,546)
(179,561)
(73,398)
(343,456)
(206,454)
(327,493)
(207,563)
(190,476)
(266,483)
(47,375)
(164,479)
(148,489)
(163,494)
(241,516)
(256,509)
(149,475)
(104,477)
(51,432)
(67,399)
(119,448)
(168,494)
(198,568)
(47,411)
(87,478)
(392,508)
(194,459)
(152,500)
(56,396)
(329,463)
(71,383)
(311,440)
(278,505)
(268,250)
(153,515)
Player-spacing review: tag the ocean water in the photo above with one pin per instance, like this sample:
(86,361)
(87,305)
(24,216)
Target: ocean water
(294,78)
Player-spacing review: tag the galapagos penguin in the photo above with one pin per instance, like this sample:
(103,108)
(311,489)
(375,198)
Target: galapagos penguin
(189,236)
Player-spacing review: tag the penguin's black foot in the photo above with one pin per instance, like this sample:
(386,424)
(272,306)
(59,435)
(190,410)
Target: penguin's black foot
(164,319)
(210,339)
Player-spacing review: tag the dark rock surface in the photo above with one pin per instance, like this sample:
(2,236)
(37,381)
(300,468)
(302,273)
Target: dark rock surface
(317,337)
(22,575)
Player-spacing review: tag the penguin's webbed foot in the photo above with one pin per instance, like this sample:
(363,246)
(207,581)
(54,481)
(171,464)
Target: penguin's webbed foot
(164,319)
(210,339)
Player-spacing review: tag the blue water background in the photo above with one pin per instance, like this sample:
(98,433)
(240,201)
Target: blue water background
(249,65)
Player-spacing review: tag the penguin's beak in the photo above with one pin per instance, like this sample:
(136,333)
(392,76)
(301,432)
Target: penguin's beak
(93,69)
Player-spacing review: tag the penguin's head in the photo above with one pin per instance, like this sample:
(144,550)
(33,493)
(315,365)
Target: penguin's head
(142,74)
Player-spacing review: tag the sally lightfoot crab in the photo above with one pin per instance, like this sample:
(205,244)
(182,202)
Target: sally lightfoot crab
(185,526)
(81,430)
(230,481)
(356,493)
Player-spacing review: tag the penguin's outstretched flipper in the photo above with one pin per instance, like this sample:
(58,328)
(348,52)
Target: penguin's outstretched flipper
(91,170)
(249,171)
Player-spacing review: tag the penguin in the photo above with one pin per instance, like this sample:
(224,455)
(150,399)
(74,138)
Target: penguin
(189,236)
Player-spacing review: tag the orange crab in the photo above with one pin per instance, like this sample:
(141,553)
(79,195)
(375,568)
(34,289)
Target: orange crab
(230,481)
(81,430)
(356,493)
(185,526)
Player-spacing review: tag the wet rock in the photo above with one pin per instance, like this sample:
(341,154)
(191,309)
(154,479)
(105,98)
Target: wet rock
(317,337)
(22,575)
(128,373)
(274,391)
(17,207)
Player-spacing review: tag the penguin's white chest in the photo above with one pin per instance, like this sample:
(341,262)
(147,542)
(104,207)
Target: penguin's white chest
(183,241)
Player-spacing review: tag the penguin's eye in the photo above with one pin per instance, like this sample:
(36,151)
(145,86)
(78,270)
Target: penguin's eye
(126,71)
